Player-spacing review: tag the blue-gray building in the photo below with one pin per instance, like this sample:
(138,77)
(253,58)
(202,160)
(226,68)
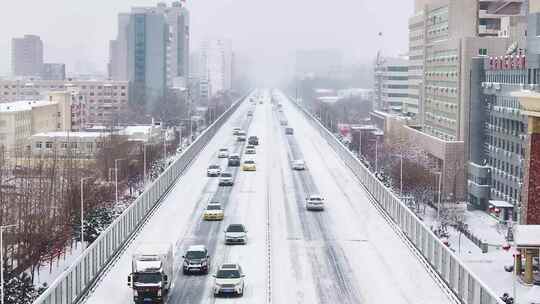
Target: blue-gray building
(147,57)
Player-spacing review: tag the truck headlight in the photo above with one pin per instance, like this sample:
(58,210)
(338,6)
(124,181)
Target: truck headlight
(159,293)
(135,293)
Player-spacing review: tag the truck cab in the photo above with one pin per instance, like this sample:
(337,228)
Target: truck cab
(152,273)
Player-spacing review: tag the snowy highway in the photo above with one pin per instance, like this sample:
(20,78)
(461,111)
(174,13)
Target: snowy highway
(347,253)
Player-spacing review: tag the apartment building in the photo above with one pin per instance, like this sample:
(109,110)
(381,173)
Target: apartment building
(216,60)
(391,84)
(412,105)
(93,102)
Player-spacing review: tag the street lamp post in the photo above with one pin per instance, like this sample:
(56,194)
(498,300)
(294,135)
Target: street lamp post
(439,198)
(401,174)
(2,228)
(144,163)
(82,210)
(116,177)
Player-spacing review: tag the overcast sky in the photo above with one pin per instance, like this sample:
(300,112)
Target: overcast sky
(77,31)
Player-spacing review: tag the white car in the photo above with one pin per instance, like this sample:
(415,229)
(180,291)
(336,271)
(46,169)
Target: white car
(235,234)
(236,130)
(223,153)
(213,170)
(226,179)
(229,280)
(241,136)
(299,164)
(315,202)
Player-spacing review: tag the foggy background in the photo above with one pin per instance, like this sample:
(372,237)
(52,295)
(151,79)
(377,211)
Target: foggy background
(264,33)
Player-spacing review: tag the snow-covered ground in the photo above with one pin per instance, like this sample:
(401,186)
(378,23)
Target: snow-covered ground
(346,254)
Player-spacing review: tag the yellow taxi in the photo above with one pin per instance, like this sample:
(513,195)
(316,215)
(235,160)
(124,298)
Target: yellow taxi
(249,165)
(213,212)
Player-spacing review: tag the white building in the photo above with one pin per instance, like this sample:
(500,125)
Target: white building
(216,62)
(61,144)
(20,119)
(391,84)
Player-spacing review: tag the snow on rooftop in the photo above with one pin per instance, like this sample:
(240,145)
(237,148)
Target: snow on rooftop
(61,134)
(23,105)
(527,235)
(501,204)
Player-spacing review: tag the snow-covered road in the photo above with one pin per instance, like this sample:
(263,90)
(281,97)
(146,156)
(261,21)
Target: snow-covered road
(345,254)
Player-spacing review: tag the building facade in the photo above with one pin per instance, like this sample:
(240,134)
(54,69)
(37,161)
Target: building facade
(391,84)
(26,56)
(216,61)
(151,50)
(53,71)
(417,32)
(20,119)
(93,102)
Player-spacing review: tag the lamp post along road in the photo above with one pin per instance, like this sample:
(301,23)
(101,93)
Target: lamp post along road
(2,228)
(82,210)
(439,198)
(116,177)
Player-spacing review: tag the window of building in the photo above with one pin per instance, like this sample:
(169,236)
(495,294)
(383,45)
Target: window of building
(38,145)
(49,145)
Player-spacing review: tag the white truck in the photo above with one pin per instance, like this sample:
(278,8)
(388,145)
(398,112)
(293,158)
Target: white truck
(152,272)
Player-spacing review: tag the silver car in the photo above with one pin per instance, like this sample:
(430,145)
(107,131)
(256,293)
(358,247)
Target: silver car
(236,234)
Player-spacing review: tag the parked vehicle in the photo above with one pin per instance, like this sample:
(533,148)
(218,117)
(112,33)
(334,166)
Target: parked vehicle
(229,280)
(151,272)
(196,259)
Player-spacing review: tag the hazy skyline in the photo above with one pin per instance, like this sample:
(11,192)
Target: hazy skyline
(78,32)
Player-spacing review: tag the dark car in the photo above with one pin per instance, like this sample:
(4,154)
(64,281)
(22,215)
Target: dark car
(289,131)
(196,259)
(234,160)
(253,140)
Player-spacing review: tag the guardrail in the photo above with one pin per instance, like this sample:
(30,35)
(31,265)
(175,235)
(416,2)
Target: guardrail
(72,285)
(466,286)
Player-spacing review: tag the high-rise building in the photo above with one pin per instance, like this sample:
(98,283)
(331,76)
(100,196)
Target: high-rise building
(151,50)
(216,61)
(391,84)
(26,56)
(147,56)
(443,36)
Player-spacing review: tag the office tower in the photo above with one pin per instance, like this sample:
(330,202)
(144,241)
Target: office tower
(26,56)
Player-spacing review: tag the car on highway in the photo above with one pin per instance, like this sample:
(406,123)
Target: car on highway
(249,165)
(226,179)
(223,153)
(196,259)
(249,113)
(241,136)
(250,149)
(234,160)
(253,140)
(236,234)
(213,212)
(289,131)
(213,171)
(315,202)
(299,164)
(283,122)
(236,130)
(229,280)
